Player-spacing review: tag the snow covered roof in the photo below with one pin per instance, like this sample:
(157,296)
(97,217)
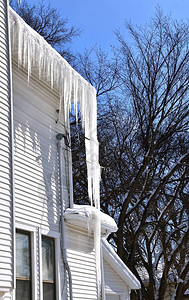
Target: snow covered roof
(118,265)
(85,216)
(38,57)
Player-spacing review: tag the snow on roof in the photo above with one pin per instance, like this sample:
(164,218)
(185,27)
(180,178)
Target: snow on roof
(34,53)
(85,216)
(118,265)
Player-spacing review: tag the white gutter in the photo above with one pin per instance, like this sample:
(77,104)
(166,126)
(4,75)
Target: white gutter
(84,216)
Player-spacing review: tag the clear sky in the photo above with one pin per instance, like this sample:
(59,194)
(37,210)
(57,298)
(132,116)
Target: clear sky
(98,18)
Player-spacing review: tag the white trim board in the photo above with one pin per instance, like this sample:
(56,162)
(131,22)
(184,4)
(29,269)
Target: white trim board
(118,265)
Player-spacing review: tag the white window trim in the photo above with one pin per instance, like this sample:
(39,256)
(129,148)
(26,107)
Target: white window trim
(56,236)
(32,230)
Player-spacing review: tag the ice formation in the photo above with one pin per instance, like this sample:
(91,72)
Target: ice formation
(33,52)
(86,215)
(96,220)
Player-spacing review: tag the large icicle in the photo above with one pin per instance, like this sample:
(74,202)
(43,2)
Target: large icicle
(34,52)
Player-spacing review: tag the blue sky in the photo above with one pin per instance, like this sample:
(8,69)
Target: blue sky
(98,18)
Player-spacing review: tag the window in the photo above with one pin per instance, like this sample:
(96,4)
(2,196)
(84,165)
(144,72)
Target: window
(48,268)
(23,265)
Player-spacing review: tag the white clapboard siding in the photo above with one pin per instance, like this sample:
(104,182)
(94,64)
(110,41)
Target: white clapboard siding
(6,207)
(36,153)
(81,259)
(113,282)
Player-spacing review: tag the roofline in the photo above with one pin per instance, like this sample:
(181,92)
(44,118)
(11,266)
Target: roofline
(118,265)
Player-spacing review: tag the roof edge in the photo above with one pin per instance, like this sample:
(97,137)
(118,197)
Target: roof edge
(118,265)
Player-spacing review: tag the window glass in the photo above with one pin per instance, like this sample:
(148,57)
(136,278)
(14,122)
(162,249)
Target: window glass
(23,266)
(48,268)
(22,255)
(23,290)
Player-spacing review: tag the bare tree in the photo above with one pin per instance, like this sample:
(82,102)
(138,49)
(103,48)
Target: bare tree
(99,70)
(47,21)
(144,152)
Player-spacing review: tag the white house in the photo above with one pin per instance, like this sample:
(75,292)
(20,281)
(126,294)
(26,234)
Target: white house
(49,247)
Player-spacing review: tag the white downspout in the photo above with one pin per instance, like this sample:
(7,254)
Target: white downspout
(102,271)
(70,172)
(63,246)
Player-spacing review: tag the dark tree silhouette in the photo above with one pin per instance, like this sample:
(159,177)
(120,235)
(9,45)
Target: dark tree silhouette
(46,20)
(144,152)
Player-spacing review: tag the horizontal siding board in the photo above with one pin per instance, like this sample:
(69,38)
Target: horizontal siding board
(83,278)
(6,231)
(5,176)
(30,113)
(89,265)
(40,205)
(5,198)
(5,129)
(30,167)
(82,269)
(35,181)
(5,206)
(81,259)
(5,238)
(4,95)
(4,81)
(7,243)
(35,212)
(113,282)
(5,147)
(6,260)
(5,117)
(5,254)
(82,255)
(29,217)
(31,202)
(6,215)
(4,156)
(35,202)
(4,55)
(73,243)
(4,265)
(5,224)
(35,154)
(5,278)
(5,248)
(78,295)
(38,90)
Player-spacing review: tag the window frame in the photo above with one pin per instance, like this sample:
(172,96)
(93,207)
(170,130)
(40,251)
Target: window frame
(57,259)
(19,227)
(22,279)
(43,238)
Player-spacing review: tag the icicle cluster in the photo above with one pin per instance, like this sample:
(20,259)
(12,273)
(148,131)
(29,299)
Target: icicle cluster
(33,52)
